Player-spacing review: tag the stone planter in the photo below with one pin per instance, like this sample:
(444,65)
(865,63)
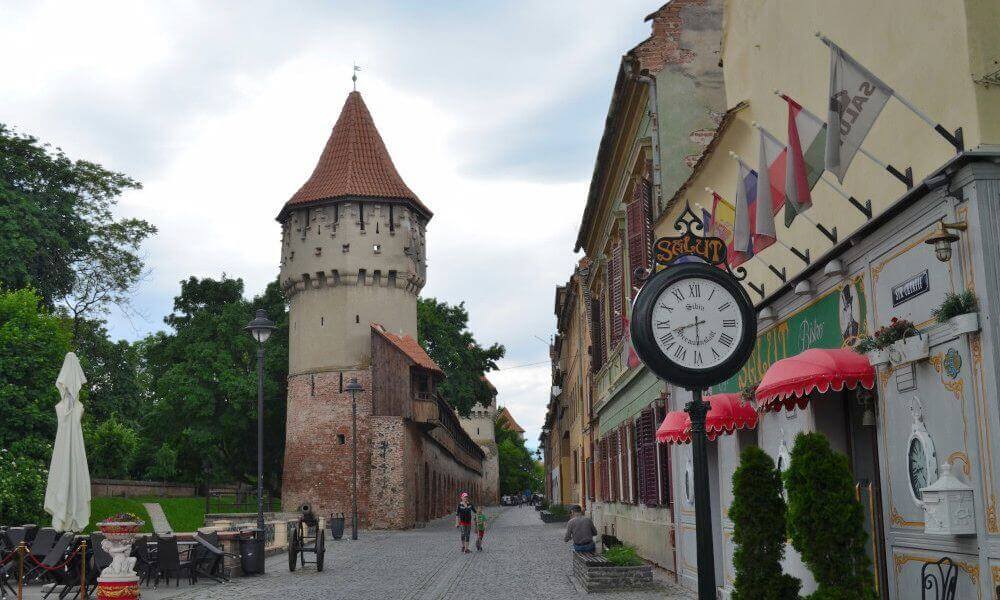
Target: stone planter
(119,580)
(967,323)
(548,517)
(909,350)
(878,357)
(596,574)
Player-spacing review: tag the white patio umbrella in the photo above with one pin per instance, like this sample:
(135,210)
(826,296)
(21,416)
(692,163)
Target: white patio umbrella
(67,495)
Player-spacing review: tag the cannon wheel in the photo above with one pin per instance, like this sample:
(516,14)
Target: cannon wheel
(293,549)
(320,550)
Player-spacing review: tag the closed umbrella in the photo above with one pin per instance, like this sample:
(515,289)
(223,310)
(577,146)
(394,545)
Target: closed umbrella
(67,495)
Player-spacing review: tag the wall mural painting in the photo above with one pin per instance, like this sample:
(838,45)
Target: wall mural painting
(835,320)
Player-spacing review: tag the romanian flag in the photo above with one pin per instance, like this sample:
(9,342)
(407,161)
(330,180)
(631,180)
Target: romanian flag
(806,151)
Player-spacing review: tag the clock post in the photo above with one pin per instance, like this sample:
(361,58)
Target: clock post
(693,325)
(698,409)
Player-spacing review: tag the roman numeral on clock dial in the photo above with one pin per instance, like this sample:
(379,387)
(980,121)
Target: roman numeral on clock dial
(696,323)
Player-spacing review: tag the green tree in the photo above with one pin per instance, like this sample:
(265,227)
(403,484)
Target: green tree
(58,232)
(826,521)
(443,331)
(111,448)
(22,487)
(758,515)
(204,376)
(33,343)
(117,385)
(518,471)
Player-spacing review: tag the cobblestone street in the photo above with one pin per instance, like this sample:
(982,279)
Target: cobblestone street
(522,559)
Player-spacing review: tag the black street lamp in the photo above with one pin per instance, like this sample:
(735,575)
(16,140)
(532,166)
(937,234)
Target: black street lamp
(698,409)
(260,328)
(354,388)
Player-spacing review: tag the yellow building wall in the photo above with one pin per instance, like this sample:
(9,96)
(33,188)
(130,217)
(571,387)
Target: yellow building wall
(925,49)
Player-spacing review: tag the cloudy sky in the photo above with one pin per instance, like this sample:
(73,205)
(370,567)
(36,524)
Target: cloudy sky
(492,112)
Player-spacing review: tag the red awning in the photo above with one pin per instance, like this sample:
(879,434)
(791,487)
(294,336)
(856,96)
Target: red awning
(789,381)
(728,413)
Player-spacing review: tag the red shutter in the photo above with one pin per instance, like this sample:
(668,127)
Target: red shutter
(646,426)
(639,232)
(616,298)
(664,451)
(615,462)
(633,463)
(597,335)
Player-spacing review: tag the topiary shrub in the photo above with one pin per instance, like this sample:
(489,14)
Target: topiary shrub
(825,520)
(758,515)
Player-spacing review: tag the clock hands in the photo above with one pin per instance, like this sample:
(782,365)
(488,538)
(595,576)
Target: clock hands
(695,325)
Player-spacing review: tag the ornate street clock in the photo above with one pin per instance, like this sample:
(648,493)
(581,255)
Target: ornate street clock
(693,325)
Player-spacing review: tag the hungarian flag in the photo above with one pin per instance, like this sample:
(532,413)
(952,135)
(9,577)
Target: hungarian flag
(806,148)
(629,356)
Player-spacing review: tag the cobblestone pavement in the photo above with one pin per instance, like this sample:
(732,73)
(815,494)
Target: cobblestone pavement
(523,559)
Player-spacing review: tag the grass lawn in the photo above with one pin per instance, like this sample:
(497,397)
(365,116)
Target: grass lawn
(184,514)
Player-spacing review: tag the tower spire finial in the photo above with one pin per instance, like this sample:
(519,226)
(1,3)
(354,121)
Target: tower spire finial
(354,77)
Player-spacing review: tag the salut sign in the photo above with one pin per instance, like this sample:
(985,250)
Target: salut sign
(710,249)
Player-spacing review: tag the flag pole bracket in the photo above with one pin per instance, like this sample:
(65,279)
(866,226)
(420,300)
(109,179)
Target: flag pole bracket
(906,177)
(830,234)
(804,257)
(782,274)
(955,139)
(866,208)
(759,290)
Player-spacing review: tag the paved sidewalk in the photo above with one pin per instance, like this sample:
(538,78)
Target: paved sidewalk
(523,559)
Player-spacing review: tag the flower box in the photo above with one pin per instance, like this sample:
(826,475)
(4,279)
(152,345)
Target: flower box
(548,517)
(597,574)
(878,357)
(967,323)
(909,350)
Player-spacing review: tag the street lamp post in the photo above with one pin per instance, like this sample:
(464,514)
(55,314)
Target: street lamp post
(260,328)
(698,409)
(354,387)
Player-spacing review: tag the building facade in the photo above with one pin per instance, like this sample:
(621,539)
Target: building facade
(352,263)
(480,425)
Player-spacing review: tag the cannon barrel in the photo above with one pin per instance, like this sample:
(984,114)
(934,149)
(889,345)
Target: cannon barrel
(307,516)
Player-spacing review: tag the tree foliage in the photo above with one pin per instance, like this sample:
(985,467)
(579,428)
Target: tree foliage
(518,470)
(826,521)
(204,379)
(758,515)
(111,448)
(58,233)
(443,331)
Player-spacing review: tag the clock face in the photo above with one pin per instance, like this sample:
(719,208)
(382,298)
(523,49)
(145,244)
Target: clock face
(693,325)
(697,322)
(916,458)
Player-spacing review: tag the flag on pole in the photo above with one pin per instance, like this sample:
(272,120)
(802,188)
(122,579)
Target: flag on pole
(629,355)
(856,98)
(806,144)
(722,219)
(746,242)
(772,156)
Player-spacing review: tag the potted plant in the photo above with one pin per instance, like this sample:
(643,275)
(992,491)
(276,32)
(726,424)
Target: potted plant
(961,310)
(899,342)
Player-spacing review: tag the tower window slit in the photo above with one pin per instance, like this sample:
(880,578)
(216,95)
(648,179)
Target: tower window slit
(392,223)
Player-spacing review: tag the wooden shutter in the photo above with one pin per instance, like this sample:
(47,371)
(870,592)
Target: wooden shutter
(616,298)
(597,335)
(639,232)
(633,471)
(590,471)
(666,494)
(646,426)
(615,462)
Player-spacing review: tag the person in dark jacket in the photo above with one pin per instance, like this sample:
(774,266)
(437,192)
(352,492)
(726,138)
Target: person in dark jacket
(463,518)
(580,530)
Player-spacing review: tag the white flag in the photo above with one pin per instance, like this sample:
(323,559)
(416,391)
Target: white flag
(856,99)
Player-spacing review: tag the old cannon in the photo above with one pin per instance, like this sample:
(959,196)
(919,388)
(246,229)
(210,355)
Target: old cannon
(307,538)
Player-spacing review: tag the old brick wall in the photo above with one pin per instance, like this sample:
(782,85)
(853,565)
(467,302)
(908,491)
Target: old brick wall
(390,482)
(317,458)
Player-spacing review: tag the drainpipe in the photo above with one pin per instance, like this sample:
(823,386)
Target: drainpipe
(655,119)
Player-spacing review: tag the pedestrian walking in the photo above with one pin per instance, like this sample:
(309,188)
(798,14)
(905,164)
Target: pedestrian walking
(580,530)
(480,530)
(463,519)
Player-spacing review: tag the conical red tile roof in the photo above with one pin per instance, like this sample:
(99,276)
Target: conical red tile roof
(355,163)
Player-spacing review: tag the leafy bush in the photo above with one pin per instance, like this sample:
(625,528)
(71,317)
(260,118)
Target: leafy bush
(898,329)
(164,467)
(956,304)
(622,555)
(558,510)
(22,488)
(758,515)
(825,520)
(111,448)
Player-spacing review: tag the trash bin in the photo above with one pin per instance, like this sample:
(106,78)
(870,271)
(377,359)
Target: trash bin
(337,526)
(252,551)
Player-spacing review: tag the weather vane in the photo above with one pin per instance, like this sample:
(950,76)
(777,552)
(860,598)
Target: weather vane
(354,76)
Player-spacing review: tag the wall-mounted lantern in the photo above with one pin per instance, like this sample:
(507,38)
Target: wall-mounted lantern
(949,505)
(943,238)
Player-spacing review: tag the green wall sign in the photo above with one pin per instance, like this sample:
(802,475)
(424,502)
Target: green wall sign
(832,321)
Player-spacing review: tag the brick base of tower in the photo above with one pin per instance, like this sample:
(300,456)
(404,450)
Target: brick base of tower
(405,477)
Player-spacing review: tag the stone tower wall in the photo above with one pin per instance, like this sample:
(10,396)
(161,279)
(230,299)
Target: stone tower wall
(341,275)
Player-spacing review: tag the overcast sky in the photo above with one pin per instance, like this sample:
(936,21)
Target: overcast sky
(492,112)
